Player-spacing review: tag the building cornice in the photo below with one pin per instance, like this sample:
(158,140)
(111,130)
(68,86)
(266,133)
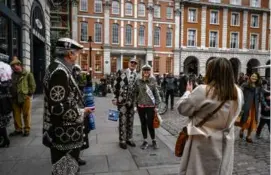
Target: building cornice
(226,5)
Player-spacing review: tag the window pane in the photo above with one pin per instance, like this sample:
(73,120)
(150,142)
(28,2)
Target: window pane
(84,5)
(255,21)
(192,38)
(169,38)
(84,33)
(15,40)
(98,6)
(98,63)
(213,39)
(157,11)
(169,13)
(115,7)
(156,65)
(214,17)
(192,15)
(3,35)
(235,19)
(115,34)
(15,6)
(141,10)
(128,9)
(98,32)
(141,35)
(253,41)
(128,34)
(157,36)
(168,65)
(234,40)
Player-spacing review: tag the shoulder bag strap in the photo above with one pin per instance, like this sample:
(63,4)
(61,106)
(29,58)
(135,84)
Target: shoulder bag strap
(210,115)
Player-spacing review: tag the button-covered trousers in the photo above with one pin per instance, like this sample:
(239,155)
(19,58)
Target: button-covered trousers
(126,122)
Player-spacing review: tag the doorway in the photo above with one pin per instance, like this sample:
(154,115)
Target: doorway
(38,63)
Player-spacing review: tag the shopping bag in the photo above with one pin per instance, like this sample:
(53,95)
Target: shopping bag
(113,115)
(91,121)
(156,122)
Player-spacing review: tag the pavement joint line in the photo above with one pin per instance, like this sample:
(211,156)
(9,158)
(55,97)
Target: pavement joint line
(177,165)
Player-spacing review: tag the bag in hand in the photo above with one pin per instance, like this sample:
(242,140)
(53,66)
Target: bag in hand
(180,143)
(156,122)
(238,120)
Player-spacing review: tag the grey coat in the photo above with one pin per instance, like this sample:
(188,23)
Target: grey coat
(250,94)
(209,149)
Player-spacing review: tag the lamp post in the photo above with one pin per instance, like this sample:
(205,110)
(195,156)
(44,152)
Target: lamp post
(90,58)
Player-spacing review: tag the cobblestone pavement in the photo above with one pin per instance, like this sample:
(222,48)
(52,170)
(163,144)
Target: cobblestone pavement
(249,159)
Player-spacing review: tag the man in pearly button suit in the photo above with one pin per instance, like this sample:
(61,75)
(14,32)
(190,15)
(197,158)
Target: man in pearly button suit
(124,99)
(63,119)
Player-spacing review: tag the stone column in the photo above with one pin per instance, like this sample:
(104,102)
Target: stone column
(150,32)
(106,53)
(121,33)
(135,8)
(176,65)
(203,27)
(245,25)
(135,34)
(182,26)
(121,61)
(122,8)
(74,21)
(264,28)
(225,28)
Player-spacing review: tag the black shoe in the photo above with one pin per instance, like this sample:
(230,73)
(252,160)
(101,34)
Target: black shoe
(5,144)
(16,133)
(123,145)
(144,145)
(154,144)
(81,162)
(26,134)
(131,143)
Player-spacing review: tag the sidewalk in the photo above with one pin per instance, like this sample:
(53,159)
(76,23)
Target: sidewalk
(27,155)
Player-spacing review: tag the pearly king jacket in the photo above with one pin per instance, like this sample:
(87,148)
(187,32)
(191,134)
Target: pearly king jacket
(63,119)
(123,89)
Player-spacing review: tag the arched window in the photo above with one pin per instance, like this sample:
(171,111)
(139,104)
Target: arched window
(129,9)
(115,7)
(115,34)
(141,35)
(141,9)
(169,37)
(128,34)
(157,36)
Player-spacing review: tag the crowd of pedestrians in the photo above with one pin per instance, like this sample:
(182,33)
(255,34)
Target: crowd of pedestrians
(209,148)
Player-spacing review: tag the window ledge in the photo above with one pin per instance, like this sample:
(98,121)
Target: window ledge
(194,22)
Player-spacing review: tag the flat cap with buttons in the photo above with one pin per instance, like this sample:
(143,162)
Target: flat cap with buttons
(67,43)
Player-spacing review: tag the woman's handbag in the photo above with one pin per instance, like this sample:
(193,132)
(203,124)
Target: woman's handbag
(238,120)
(113,115)
(156,123)
(183,135)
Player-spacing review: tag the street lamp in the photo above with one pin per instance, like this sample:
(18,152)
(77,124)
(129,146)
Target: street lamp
(90,58)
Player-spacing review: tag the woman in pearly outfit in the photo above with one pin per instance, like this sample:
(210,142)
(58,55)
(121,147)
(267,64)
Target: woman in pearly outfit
(210,148)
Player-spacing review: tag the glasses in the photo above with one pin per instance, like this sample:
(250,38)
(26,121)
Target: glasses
(133,62)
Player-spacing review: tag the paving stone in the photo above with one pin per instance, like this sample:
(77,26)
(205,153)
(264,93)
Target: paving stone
(95,164)
(165,170)
(21,141)
(6,167)
(121,162)
(104,149)
(37,141)
(107,138)
(140,172)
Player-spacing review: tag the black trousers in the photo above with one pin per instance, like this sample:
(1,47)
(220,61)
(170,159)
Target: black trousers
(146,116)
(171,94)
(126,122)
(56,154)
(3,135)
(261,125)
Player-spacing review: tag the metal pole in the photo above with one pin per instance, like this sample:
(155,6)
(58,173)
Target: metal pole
(90,58)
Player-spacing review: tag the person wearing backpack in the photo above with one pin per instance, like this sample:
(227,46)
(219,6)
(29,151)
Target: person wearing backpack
(23,88)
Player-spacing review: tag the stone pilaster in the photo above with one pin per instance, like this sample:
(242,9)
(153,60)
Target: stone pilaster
(150,32)
(107,63)
(122,8)
(177,25)
(176,65)
(74,22)
(225,28)
(121,33)
(245,26)
(135,8)
(203,27)
(182,22)
(135,34)
(264,29)
(106,23)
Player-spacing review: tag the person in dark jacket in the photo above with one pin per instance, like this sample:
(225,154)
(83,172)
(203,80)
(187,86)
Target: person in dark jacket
(265,109)
(170,85)
(252,94)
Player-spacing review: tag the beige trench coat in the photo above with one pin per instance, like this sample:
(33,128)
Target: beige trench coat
(210,148)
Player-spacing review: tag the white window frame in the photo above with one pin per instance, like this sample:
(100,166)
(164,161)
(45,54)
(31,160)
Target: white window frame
(139,37)
(128,14)
(157,8)
(171,12)
(159,36)
(258,21)
(238,38)
(131,36)
(101,61)
(95,33)
(138,10)
(253,5)
(217,17)
(215,1)
(257,41)
(217,39)
(233,2)
(196,33)
(188,16)
(171,41)
(238,18)
(100,2)
(112,10)
(113,33)
(83,22)
(84,3)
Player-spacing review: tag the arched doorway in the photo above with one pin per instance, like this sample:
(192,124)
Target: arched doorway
(267,70)
(236,67)
(191,65)
(38,55)
(211,58)
(251,64)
